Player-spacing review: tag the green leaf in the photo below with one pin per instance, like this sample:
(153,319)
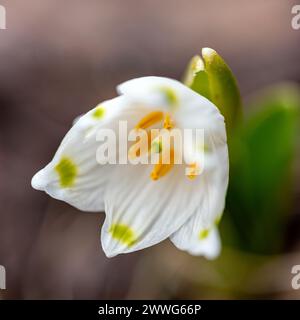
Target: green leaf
(262,154)
(212,78)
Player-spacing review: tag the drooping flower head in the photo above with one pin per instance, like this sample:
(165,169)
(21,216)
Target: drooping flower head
(145,204)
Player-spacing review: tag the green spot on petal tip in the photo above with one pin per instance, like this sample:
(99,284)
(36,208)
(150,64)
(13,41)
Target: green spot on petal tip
(67,172)
(98,113)
(203,234)
(170,95)
(123,233)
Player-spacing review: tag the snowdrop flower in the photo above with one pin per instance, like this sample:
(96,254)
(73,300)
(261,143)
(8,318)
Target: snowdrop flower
(145,204)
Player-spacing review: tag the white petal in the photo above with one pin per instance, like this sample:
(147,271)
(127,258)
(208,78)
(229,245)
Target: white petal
(189,109)
(208,246)
(83,180)
(77,119)
(202,114)
(207,214)
(213,184)
(212,190)
(147,211)
(165,93)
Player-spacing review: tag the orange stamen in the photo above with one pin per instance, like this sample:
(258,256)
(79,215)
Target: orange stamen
(168,122)
(161,169)
(193,170)
(150,119)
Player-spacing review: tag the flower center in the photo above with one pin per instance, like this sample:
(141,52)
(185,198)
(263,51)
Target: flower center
(154,143)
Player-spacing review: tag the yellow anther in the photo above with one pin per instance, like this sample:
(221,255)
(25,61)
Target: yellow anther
(193,170)
(161,169)
(150,119)
(152,143)
(168,122)
(142,145)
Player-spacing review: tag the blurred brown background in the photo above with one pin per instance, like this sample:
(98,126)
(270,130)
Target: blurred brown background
(60,58)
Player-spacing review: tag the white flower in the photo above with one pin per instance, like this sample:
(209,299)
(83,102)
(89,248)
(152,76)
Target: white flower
(145,204)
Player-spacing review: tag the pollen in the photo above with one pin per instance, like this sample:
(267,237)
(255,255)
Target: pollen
(193,170)
(168,122)
(99,112)
(204,234)
(67,172)
(123,233)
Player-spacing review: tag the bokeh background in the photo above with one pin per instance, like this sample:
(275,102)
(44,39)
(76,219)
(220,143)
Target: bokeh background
(60,58)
